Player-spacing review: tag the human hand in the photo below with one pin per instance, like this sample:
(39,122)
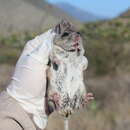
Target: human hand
(28,84)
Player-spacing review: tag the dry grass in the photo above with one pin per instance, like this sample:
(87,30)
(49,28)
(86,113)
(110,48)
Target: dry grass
(111,110)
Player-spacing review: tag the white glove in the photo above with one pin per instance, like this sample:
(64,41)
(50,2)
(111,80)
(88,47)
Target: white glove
(28,84)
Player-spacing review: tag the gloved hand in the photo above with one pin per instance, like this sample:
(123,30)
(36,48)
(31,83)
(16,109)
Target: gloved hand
(28,84)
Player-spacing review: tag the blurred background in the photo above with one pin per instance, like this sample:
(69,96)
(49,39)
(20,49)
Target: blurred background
(105,28)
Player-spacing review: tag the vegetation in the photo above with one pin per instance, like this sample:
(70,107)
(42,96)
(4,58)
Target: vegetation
(107,45)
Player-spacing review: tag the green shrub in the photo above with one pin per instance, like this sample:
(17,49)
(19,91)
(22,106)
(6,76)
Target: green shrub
(105,43)
(8,55)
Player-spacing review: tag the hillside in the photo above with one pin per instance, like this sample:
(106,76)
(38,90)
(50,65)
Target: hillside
(126,14)
(79,14)
(108,44)
(28,15)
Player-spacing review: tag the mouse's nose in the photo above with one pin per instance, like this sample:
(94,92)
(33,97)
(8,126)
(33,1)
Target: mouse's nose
(76,40)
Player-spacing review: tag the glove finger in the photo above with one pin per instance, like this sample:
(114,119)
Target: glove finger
(37,41)
(40,45)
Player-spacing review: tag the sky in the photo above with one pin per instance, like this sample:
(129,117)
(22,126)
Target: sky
(109,8)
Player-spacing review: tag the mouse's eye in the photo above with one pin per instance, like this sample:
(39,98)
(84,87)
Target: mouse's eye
(55,66)
(65,34)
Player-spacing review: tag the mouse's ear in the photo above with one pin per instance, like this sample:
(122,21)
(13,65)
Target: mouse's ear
(57,29)
(63,26)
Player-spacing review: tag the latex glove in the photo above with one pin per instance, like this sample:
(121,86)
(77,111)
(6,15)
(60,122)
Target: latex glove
(28,84)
